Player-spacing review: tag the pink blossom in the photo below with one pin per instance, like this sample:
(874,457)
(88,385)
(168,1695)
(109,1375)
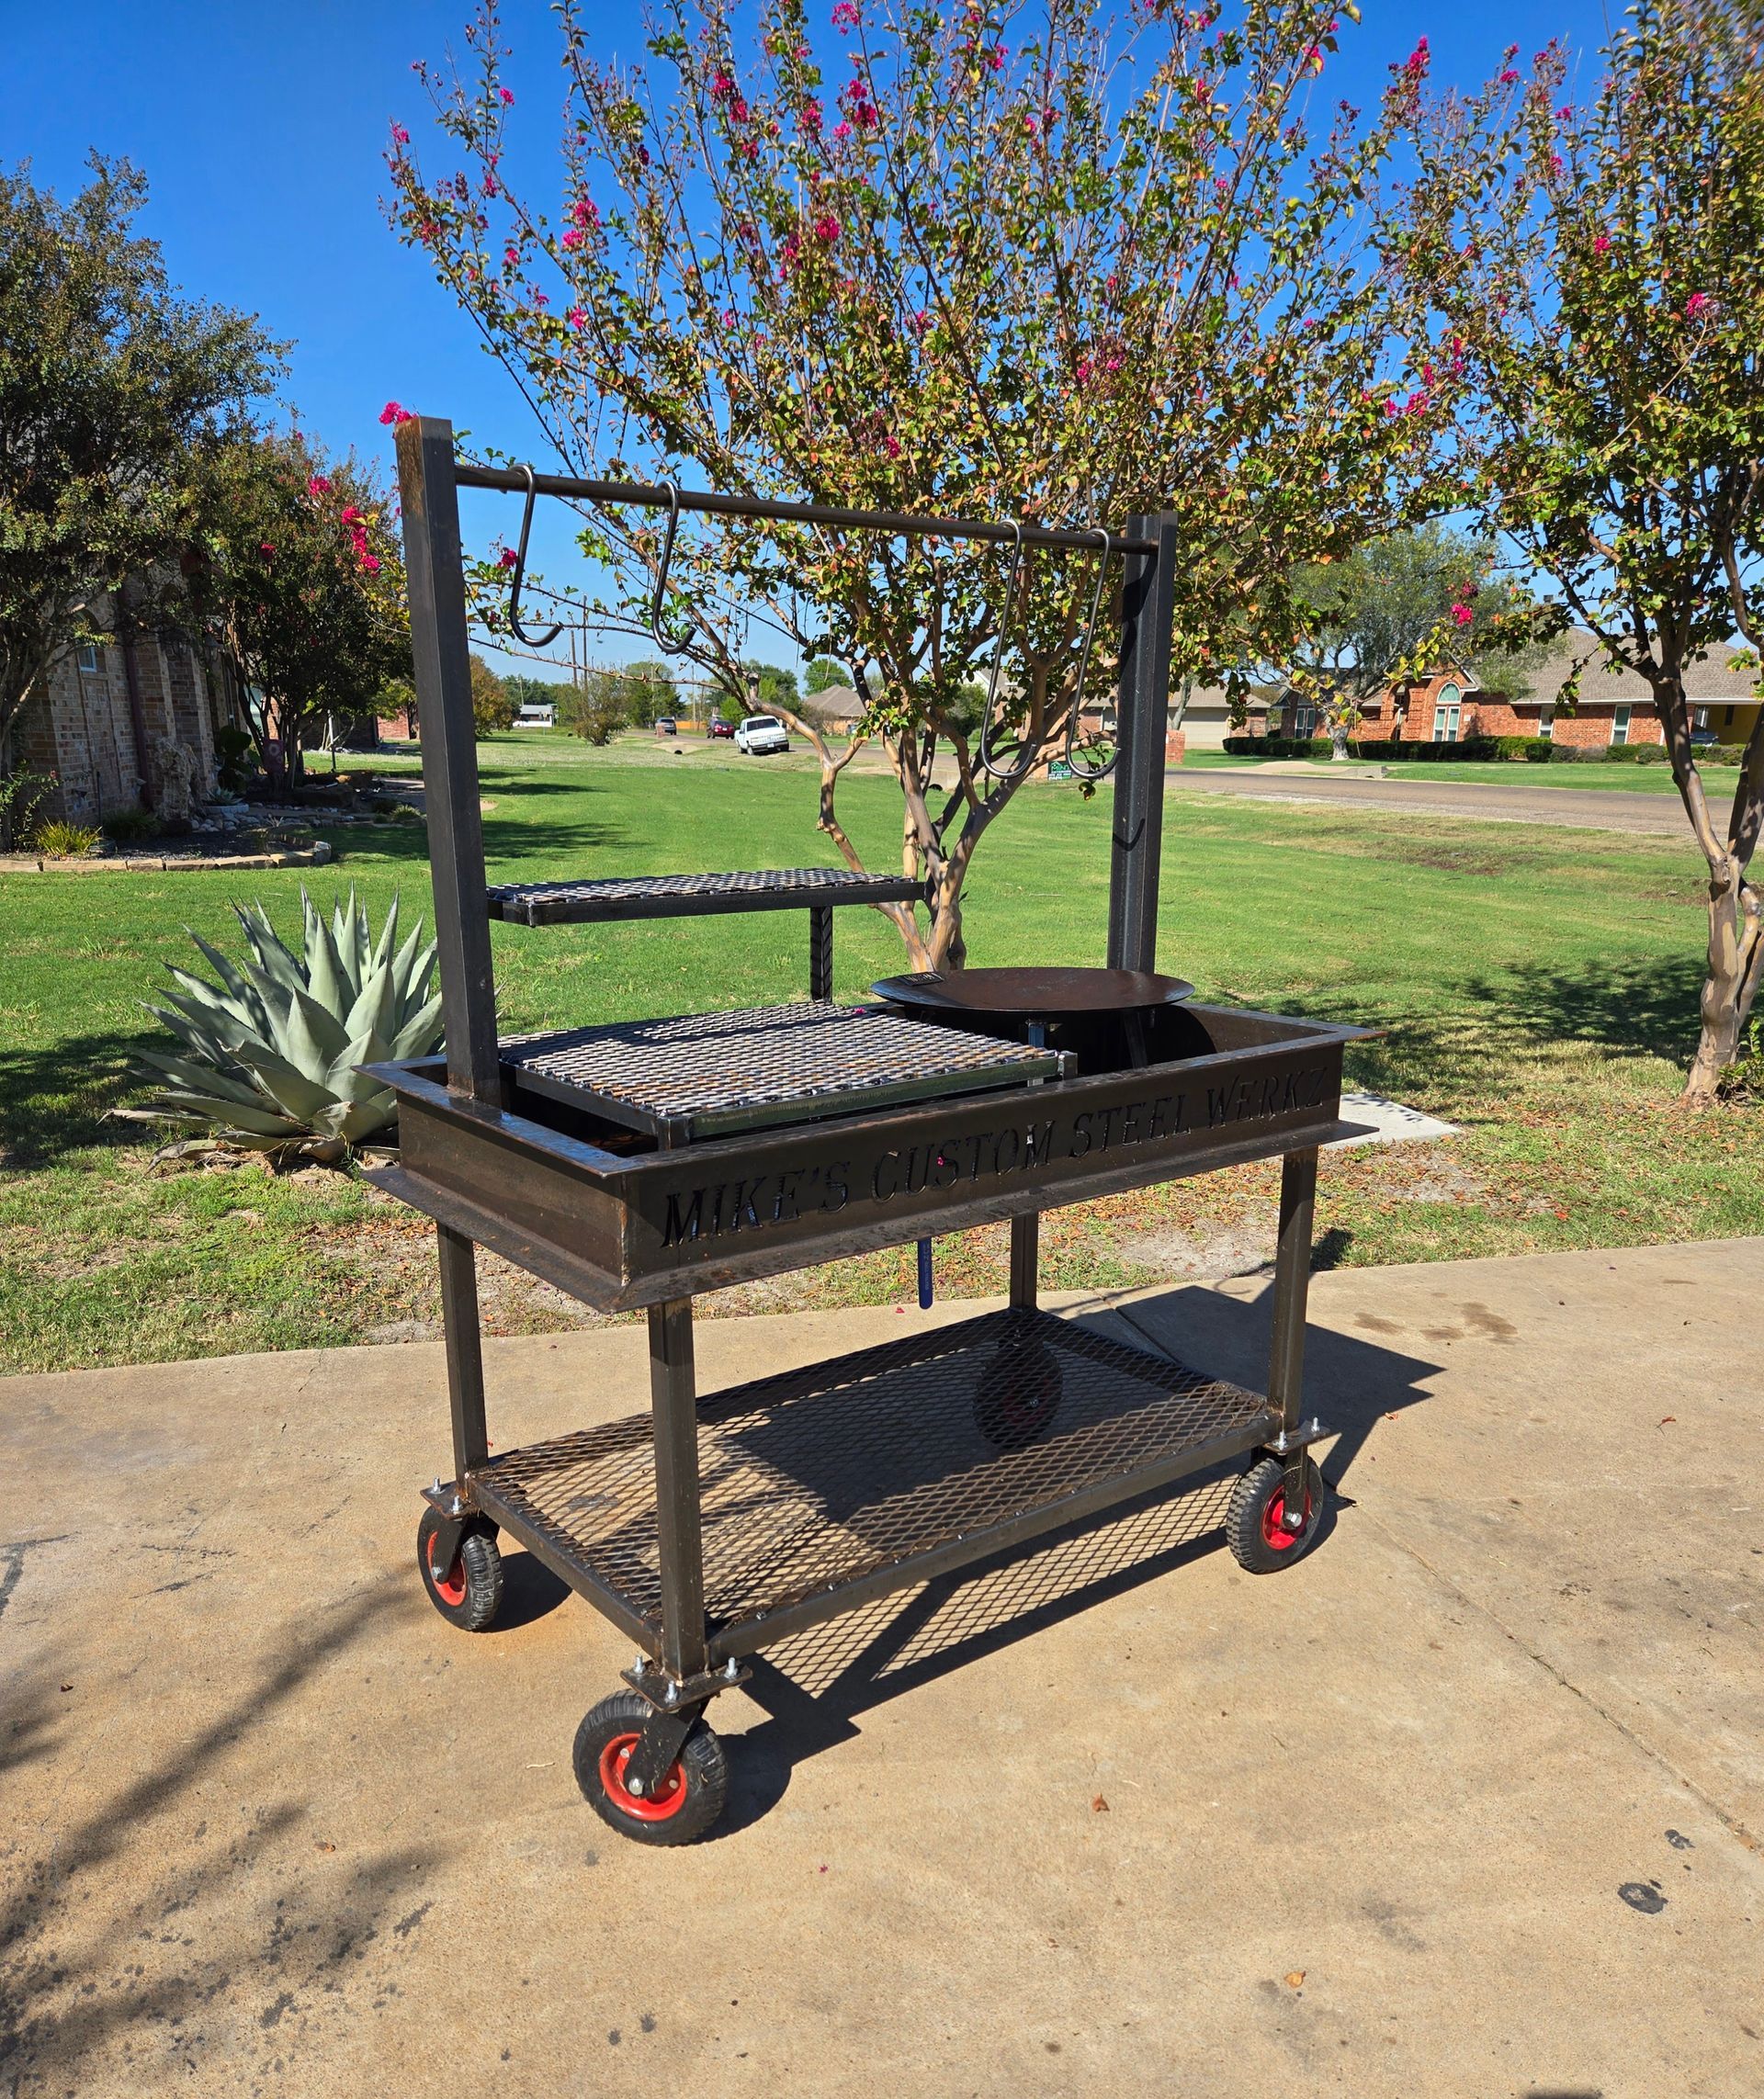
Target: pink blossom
(826,228)
(509,556)
(1563,114)
(400,134)
(721,87)
(995,57)
(506,96)
(1555,164)
(1508,78)
(841,130)
(893,447)
(1417,61)
(810,115)
(394,414)
(587,212)
(538,297)
(350,513)
(845,17)
(577,318)
(572,238)
(265,547)
(737,110)
(1698,303)
(1083,371)
(318,486)
(370,564)
(1463,614)
(1601,246)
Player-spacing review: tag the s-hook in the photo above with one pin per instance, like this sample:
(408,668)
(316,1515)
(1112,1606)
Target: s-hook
(986,746)
(1085,771)
(661,642)
(514,626)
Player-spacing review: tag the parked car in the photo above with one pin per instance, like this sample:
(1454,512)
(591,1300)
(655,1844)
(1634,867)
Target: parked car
(667,726)
(761,733)
(717,728)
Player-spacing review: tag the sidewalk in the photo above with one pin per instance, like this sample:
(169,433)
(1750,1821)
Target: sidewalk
(1467,1804)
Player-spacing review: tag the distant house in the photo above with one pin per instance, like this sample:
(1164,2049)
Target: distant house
(539,715)
(123,724)
(1452,705)
(835,709)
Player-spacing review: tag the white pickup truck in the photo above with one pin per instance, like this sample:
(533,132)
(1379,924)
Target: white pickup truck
(761,733)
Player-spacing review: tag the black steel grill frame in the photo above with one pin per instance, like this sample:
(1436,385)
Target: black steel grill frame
(613,899)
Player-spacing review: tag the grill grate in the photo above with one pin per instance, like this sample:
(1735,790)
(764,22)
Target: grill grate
(819,1476)
(715,1072)
(691,896)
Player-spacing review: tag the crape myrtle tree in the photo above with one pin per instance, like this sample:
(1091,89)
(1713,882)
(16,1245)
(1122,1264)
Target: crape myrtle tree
(115,394)
(306,583)
(1599,262)
(1040,262)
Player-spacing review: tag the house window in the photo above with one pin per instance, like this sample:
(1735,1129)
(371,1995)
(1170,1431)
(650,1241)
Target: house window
(1546,723)
(89,658)
(1728,720)
(1446,711)
(1620,724)
(1304,721)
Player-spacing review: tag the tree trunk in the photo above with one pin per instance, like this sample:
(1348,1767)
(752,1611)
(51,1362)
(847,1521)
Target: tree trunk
(1735,958)
(1338,743)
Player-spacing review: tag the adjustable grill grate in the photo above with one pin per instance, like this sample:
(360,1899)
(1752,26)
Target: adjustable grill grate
(820,1476)
(703,1073)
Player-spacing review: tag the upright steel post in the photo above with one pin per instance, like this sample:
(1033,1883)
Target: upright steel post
(673,1404)
(441,659)
(442,655)
(821,950)
(1025,1247)
(465,1357)
(1148,618)
(1292,1285)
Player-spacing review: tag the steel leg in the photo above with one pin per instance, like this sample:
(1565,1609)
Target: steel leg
(674,1399)
(458,1260)
(821,950)
(1025,1247)
(1291,1288)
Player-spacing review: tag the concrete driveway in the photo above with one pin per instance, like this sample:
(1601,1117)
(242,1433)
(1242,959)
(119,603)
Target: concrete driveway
(1467,1802)
(1410,792)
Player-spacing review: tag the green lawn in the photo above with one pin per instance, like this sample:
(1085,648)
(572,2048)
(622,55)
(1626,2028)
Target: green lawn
(1540,992)
(1654,779)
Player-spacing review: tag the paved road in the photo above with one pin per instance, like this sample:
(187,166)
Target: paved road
(1569,808)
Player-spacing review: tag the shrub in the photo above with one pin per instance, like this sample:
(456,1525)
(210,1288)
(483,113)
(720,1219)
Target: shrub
(66,842)
(127,827)
(235,759)
(271,1052)
(1530,749)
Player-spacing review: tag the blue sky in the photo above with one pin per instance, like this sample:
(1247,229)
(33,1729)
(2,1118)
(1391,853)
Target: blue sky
(260,128)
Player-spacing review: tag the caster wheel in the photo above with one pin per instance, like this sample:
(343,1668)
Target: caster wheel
(1254,1528)
(1019,1396)
(468,1593)
(687,1801)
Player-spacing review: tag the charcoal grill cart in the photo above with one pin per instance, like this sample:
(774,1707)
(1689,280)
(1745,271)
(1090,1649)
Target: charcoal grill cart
(639,1163)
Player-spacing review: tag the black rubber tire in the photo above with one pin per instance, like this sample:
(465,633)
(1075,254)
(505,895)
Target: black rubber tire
(1246,1523)
(701,1767)
(477,1571)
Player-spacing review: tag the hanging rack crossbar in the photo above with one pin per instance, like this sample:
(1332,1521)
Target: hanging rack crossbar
(514,482)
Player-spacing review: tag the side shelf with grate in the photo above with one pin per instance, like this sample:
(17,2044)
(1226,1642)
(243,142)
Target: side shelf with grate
(693,896)
(827,1486)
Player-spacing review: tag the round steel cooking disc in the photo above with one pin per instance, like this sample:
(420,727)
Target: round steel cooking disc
(1036,993)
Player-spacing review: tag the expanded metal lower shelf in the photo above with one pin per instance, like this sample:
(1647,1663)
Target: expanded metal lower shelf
(830,1485)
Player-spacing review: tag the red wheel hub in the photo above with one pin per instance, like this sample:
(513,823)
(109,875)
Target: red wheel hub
(669,1799)
(450,1585)
(1273,1521)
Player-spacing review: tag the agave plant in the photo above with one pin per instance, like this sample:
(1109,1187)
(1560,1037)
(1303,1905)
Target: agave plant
(270,1052)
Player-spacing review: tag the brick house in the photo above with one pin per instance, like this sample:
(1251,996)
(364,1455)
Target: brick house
(1451,706)
(121,726)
